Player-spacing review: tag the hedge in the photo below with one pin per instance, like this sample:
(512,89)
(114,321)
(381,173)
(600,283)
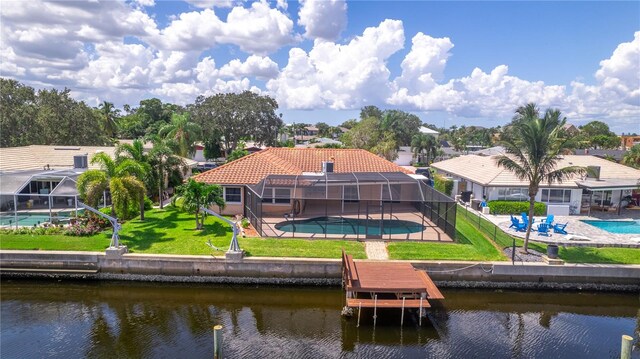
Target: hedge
(442,184)
(513,207)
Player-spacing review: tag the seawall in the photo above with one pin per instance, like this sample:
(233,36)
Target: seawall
(308,271)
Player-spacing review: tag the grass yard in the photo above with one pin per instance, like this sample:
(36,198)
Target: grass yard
(171,231)
(470,245)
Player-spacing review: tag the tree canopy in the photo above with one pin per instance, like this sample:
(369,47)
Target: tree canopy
(237,117)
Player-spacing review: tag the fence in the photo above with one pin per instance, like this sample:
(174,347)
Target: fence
(486,227)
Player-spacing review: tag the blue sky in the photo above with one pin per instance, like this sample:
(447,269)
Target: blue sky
(448,62)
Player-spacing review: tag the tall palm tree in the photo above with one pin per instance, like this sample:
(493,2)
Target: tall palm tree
(632,158)
(163,161)
(184,132)
(109,116)
(136,152)
(423,145)
(194,195)
(533,152)
(119,177)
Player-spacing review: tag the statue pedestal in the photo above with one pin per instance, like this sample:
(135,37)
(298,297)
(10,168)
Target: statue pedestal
(234,255)
(116,252)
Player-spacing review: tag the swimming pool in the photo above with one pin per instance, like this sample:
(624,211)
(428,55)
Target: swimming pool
(620,227)
(340,225)
(29,220)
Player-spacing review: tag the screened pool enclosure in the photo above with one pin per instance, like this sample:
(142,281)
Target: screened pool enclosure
(371,205)
(34,197)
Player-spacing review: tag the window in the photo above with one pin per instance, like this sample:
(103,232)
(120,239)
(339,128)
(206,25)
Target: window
(232,194)
(513,194)
(556,195)
(277,195)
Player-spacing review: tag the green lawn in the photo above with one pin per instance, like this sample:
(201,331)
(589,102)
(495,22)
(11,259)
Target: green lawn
(171,231)
(471,245)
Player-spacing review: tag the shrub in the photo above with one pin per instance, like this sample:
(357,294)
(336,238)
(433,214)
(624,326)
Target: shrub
(51,230)
(245,223)
(148,204)
(443,185)
(83,229)
(513,207)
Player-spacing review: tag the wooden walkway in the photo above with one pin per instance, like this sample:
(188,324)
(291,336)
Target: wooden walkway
(386,285)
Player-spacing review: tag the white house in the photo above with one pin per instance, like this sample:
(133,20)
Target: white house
(603,190)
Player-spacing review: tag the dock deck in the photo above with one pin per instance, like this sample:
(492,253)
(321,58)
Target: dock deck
(386,285)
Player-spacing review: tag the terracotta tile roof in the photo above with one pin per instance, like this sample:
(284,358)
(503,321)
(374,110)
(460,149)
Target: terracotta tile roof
(253,168)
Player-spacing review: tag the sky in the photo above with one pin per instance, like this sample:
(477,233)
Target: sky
(450,63)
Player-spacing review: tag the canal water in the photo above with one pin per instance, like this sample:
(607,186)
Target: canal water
(66,319)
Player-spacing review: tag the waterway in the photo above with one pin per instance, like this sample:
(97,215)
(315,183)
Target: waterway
(67,319)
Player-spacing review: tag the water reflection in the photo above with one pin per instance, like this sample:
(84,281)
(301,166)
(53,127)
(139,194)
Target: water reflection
(134,320)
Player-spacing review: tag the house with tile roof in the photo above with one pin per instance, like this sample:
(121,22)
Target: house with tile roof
(251,169)
(606,187)
(331,190)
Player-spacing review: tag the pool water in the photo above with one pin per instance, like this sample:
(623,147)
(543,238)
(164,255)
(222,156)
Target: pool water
(340,225)
(620,227)
(29,220)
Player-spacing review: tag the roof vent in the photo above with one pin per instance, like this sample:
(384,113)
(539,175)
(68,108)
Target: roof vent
(327,166)
(80,161)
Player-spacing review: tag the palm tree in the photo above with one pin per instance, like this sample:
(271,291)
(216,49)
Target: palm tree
(632,158)
(119,177)
(183,132)
(193,195)
(423,145)
(135,151)
(163,161)
(534,150)
(109,115)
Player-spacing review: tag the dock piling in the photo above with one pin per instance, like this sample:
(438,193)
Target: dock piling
(359,310)
(402,315)
(217,342)
(420,313)
(625,351)
(375,309)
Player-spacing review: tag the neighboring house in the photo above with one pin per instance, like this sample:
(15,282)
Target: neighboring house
(570,129)
(338,193)
(52,157)
(428,131)
(618,155)
(311,131)
(628,141)
(481,176)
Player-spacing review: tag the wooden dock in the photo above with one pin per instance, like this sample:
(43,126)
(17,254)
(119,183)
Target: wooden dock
(386,285)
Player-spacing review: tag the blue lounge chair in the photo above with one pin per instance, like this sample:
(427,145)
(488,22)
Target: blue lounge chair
(515,223)
(543,229)
(549,220)
(525,218)
(560,228)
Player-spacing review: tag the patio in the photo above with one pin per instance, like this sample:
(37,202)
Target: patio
(578,233)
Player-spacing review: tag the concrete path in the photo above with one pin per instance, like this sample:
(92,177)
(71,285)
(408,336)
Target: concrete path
(376,250)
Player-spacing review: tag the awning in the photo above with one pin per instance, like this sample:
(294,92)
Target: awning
(609,184)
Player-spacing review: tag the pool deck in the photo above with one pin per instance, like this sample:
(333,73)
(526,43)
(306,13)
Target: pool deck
(431,233)
(580,234)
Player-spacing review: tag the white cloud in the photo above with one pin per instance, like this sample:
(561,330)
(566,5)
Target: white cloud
(282,4)
(258,29)
(207,4)
(254,66)
(323,19)
(148,3)
(340,76)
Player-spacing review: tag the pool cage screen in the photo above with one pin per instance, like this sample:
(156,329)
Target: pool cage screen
(376,205)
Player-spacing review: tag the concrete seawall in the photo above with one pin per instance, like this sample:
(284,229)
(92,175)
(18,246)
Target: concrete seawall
(305,271)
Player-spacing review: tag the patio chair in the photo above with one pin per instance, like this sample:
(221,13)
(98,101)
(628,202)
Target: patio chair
(560,228)
(525,218)
(543,229)
(515,223)
(549,220)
